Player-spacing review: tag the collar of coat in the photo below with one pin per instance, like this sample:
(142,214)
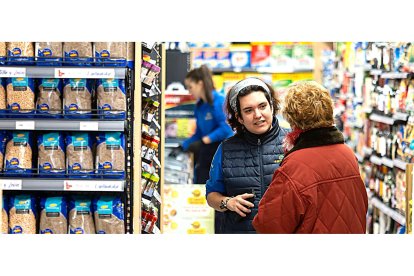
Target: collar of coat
(264,138)
(318,137)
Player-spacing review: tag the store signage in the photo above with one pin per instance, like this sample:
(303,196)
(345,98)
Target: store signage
(11,184)
(12,72)
(81,185)
(91,126)
(26,125)
(87,73)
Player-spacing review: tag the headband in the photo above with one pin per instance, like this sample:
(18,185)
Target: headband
(235,90)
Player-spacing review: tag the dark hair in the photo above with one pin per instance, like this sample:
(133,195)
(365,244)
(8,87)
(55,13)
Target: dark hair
(232,116)
(203,73)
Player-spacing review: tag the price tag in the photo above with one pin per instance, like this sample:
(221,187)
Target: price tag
(91,126)
(11,184)
(82,185)
(156,230)
(87,73)
(157,196)
(26,125)
(155,159)
(12,72)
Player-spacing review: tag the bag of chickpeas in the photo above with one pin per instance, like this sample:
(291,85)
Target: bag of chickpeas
(80,216)
(20,96)
(3,105)
(19,154)
(53,215)
(22,214)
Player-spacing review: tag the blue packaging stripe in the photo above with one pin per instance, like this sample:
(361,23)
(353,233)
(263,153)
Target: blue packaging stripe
(3,141)
(54,204)
(28,82)
(80,203)
(115,202)
(5,204)
(22,202)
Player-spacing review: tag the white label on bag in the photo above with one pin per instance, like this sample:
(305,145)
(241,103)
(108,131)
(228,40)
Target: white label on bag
(27,125)
(92,126)
(87,73)
(11,184)
(12,72)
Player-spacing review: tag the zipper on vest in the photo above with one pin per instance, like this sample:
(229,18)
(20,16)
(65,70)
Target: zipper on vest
(261,166)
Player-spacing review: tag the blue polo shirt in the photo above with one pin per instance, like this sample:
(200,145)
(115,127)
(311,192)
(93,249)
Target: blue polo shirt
(210,121)
(216,182)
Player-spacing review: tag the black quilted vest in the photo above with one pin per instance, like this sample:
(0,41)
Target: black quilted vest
(249,161)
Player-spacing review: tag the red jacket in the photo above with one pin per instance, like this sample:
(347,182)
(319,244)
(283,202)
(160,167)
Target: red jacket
(317,189)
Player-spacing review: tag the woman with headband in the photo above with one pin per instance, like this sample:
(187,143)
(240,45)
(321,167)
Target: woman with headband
(244,164)
(318,187)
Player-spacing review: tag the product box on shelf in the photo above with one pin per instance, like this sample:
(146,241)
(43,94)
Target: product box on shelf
(281,57)
(240,55)
(210,57)
(302,54)
(197,57)
(261,54)
(223,58)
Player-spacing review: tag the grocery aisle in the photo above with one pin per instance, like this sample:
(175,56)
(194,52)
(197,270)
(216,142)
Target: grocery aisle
(372,89)
(71,118)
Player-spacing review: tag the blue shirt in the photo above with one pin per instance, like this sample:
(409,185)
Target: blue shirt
(210,121)
(216,182)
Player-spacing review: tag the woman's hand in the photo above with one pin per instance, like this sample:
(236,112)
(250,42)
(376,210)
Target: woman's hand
(206,140)
(240,205)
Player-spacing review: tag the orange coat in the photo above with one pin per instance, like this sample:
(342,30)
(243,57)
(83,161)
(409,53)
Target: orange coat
(317,189)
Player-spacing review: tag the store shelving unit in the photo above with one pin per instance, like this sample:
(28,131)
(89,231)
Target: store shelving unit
(99,185)
(157,54)
(371,119)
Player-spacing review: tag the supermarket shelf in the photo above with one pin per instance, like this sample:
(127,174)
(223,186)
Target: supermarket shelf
(375,72)
(256,70)
(396,75)
(387,162)
(400,116)
(389,75)
(359,158)
(388,211)
(368,110)
(31,184)
(376,160)
(367,151)
(382,161)
(69,72)
(381,119)
(356,125)
(61,124)
(173,142)
(400,164)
